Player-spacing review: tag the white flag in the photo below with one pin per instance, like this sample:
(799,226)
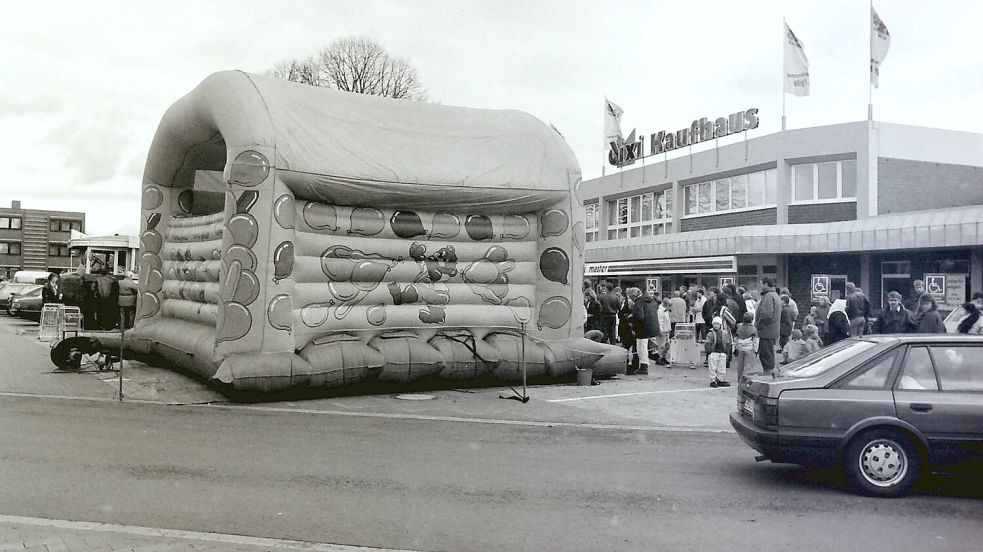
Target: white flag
(612,122)
(796,65)
(880,41)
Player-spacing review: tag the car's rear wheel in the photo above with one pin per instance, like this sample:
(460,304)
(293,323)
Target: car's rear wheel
(882,462)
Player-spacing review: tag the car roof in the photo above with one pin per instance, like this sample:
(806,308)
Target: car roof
(924,338)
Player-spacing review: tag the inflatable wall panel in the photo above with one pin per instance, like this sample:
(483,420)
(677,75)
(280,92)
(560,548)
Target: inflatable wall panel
(351,248)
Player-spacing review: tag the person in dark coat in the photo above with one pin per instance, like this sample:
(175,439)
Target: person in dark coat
(839,324)
(90,305)
(971,323)
(50,292)
(894,318)
(593,307)
(645,324)
(927,318)
(787,322)
(609,313)
(918,288)
(767,320)
(708,307)
(625,334)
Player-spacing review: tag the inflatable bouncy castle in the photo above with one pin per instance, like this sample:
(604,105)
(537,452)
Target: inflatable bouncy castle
(300,237)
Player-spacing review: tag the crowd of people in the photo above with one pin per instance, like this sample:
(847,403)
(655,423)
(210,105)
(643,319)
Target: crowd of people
(101,298)
(750,328)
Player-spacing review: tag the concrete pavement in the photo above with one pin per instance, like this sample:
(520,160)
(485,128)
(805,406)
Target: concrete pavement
(668,399)
(676,397)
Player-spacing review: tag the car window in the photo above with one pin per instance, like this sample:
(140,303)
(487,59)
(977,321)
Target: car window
(918,372)
(960,368)
(873,375)
(827,358)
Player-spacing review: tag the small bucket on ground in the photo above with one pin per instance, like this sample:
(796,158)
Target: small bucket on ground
(584,376)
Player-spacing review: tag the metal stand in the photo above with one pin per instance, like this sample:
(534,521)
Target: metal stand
(122,333)
(523,398)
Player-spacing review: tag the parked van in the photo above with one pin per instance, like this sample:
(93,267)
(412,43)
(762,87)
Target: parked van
(30,277)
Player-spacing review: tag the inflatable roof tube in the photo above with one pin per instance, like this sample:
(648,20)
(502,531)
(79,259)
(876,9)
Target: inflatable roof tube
(264,372)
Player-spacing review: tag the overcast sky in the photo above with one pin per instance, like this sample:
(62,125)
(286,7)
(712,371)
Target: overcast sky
(86,83)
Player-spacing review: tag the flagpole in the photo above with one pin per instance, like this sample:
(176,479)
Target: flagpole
(605,148)
(781,81)
(870,82)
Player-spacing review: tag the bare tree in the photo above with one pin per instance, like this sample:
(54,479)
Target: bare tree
(355,65)
(305,72)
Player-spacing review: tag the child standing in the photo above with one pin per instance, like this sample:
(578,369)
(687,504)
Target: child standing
(795,348)
(746,343)
(811,335)
(812,317)
(717,346)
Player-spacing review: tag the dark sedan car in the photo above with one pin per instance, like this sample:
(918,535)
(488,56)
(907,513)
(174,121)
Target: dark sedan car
(27,304)
(883,408)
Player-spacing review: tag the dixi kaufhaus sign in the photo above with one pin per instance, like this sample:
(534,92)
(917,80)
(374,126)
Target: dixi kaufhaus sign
(625,153)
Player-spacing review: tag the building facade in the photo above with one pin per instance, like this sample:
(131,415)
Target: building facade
(874,203)
(33,239)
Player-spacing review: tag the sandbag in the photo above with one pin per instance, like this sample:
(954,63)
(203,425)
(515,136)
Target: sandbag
(465,356)
(407,357)
(341,359)
(510,347)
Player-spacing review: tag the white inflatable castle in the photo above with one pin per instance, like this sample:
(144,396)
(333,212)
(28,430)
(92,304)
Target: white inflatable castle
(295,236)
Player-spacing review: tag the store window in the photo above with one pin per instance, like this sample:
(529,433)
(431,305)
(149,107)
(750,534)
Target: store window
(57,250)
(647,214)
(8,272)
(951,266)
(9,248)
(743,191)
(10,223)
(830,181)
(591,221)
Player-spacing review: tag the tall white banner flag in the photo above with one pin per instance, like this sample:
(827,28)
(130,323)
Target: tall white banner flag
(880,41)
(796,65)
(612,122)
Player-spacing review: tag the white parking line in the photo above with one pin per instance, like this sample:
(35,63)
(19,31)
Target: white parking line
(638,393)
(224,538)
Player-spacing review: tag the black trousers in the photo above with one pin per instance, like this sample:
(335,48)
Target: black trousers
(766,353)
(609,325)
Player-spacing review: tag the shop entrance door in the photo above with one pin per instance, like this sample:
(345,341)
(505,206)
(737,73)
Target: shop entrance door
(837,286)
(895,276)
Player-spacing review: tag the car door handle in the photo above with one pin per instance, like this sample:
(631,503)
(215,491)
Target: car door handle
(920,407)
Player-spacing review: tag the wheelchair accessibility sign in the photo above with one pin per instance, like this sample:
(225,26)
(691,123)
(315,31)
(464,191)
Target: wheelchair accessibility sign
(820,287)
(935,286)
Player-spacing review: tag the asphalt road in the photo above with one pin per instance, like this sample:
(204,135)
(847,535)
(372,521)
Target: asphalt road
(438,485)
